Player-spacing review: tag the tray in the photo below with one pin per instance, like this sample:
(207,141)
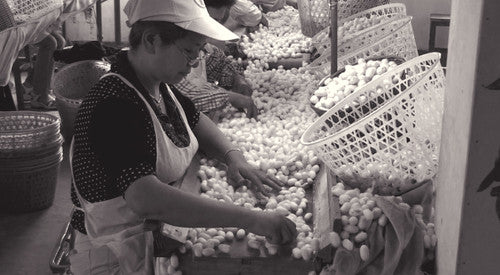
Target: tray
(245,260)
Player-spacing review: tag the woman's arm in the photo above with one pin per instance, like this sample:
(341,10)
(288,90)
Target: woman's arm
(152,199)
(213,142)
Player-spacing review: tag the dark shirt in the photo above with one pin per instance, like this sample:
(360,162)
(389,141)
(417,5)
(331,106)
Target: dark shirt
(115,142)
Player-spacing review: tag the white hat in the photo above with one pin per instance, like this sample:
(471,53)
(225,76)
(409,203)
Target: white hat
(188,14)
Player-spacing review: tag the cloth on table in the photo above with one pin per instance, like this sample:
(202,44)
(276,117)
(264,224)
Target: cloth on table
(93,50)
(396,248)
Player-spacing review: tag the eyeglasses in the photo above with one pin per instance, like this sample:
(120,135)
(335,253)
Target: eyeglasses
(193,62)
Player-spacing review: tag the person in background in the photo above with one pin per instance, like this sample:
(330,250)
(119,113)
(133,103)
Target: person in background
(135,138)
(247,14)
(216,82)
(43,70)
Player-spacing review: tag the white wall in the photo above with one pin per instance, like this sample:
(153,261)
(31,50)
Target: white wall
(466,220)
(421,11)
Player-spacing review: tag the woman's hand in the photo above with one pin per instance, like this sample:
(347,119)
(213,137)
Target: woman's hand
(240,172)
(241,86)
(276,228)
(240,101)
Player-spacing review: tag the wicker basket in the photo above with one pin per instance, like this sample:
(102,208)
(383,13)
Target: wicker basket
(10,158)
(315,14)
(390,140)
(27,130)
(71,85)
(6,18)
(29,10)
(395,38)
(32,164)
(321,41)
(25,191)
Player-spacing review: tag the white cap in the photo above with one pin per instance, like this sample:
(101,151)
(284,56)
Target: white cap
(188,14)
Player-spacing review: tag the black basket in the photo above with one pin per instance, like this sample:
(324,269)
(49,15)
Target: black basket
(28,191)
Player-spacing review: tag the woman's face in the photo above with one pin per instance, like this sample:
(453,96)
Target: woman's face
(174,61)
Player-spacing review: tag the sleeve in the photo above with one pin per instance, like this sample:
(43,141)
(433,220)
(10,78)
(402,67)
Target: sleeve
(220,69)
(119,134)
(192,113)
(245,13)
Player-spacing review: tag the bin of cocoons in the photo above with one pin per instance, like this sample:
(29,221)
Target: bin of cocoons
(315,14)
(333,89)
(392,38)
(358,24)
(386,134)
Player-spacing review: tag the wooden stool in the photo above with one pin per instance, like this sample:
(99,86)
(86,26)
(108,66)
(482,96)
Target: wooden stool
(437,19)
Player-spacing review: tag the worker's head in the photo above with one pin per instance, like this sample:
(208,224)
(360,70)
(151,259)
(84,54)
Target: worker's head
(168,35)
(219,9)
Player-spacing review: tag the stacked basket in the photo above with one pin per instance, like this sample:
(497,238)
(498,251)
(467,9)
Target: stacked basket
(386,134)
(30,153)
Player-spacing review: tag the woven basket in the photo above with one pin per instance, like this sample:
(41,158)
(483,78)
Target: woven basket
(389,141)
(321,41)
(31,153)
(71,85)
(27,130)
(6,18)
(28,191)
(395,38)
(32,164)
(29,10)
(315,14)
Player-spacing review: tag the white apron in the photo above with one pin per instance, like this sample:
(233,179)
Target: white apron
(120,244)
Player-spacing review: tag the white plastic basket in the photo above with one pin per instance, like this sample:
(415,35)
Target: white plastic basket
(387,133)
(395,38)
(321,41)
(315,14)
(29,10)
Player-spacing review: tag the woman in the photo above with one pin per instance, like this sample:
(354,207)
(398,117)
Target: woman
(216,82)
(134,137)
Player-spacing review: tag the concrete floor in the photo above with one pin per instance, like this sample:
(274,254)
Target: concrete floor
(27,240)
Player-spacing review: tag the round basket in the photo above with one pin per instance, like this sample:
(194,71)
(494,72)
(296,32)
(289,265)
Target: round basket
(315,14)
(28,191)
(390,140)
(321,41)
(30,154)
(71,85)
(394,38)
(27,130)
(321,111)
(35,163)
